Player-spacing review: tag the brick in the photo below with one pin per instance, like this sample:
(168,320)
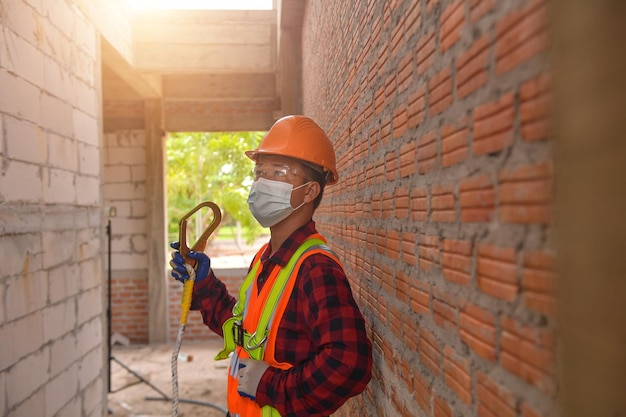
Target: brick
(440,92)
(494,400)
(440,407)
(472,67)
(539,282)
(493,125)
(456,374)
(416,107)
(18,17)
(422,392)
(443,204)
(405,72)
(408,246)
(400,122)
(520,36)
(420,297)
(444,309)
(19,98)
(456,260)
(451,24)
(24,337)
(525,194)
(88,159)
(61,389)
(479,8)
(535,108)
(419,204)
(25,59)
(21,182)
(425,52)
(454,144)
(59,319)
(27,376)
(63,153)
(478,331)
(528,353)
(427,152)
(395,321)
(496,271)
(430,352)
(401,203)
(25,295)
(59,186)
(411,334)
(477,199)
(428,250)
(57,116)
(26,142)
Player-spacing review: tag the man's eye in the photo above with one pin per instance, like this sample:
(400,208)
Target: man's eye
(280,173)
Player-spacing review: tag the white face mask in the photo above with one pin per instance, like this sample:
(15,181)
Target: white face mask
(270,201)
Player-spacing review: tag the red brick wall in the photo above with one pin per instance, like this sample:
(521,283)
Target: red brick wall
(438,111)
(129,305)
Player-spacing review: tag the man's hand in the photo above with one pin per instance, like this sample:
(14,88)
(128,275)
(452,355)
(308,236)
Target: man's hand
(250,373)
(179,271)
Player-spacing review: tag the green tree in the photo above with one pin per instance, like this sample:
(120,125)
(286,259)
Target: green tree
(211,166)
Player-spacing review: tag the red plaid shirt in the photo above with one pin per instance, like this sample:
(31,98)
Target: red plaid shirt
(322,333)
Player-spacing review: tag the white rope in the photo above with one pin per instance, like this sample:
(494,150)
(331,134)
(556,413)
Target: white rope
(179,342)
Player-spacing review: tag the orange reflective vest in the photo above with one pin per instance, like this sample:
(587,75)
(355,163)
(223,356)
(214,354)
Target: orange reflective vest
(252,331)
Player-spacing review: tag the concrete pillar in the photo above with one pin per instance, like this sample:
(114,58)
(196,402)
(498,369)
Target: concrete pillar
(157,222)
(590,166)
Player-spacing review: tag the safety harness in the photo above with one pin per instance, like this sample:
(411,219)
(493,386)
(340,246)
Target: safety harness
(252,330)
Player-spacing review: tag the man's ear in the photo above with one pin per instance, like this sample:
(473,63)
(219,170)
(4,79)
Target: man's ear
(312,191)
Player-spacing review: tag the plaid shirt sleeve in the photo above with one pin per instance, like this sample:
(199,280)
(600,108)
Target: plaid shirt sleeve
(211,297)
(337,352)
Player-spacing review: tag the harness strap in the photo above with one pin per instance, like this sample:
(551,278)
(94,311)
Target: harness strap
(232,328)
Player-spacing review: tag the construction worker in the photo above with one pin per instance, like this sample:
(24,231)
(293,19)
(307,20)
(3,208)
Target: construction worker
(295,336)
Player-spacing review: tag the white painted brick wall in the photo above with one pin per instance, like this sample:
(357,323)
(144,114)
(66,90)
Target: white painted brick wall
(20,338)
(25,294)
(31,146)
(63,282)
(62,152)
(32,406)
(88,190)
(90,367)
(59,319)
(88,336)
(62,353)
(59,186)
(21,182)
(27,376)
(18,97)
(90,304)
(56,115)
(89,162)
(23,58)
(61,389)
(52,315)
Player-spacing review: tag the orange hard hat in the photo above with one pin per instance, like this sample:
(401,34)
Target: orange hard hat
(301,138)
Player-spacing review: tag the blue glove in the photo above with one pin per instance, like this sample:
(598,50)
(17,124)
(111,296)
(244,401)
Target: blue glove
(179,271)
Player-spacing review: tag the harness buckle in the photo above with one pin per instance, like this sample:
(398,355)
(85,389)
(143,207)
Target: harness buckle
(238,333)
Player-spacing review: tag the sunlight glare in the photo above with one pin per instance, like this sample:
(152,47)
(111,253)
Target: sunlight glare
(202,4)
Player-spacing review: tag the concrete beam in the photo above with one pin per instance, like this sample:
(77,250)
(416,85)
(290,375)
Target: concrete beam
(147,86)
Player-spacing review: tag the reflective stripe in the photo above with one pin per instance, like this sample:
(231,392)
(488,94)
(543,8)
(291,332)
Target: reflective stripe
(262,310)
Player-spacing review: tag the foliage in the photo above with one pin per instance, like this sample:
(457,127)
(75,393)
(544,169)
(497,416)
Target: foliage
(211,166)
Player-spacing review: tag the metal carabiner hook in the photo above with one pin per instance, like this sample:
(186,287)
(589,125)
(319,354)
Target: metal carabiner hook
(200,243)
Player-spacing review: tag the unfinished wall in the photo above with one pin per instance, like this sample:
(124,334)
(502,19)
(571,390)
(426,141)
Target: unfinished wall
(51,290)
(124,188)
(442,216)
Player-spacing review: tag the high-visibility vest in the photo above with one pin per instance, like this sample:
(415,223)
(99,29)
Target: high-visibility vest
(252,331)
